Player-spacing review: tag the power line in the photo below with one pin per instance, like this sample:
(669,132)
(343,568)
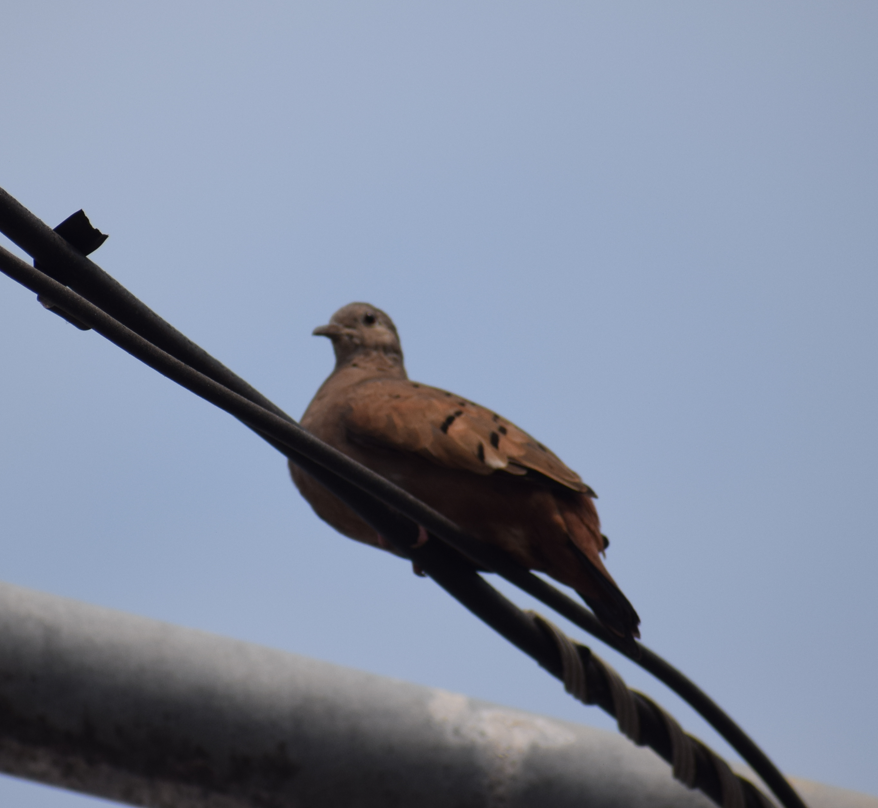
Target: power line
(102,303)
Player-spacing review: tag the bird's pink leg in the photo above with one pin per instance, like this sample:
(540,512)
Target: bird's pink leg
(420,542)
(422,539)
(384,544)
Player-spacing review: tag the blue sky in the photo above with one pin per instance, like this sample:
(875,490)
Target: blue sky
(646,233)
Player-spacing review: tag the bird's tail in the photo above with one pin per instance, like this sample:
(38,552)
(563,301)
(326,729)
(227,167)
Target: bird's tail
(608,603)
(594,583)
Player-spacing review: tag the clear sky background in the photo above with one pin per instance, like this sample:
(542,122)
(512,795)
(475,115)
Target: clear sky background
(645,232)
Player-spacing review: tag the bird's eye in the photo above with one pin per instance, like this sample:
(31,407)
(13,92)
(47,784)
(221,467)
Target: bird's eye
(369,319)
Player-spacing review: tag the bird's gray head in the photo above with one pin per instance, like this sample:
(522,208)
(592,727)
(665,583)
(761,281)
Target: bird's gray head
(359,330)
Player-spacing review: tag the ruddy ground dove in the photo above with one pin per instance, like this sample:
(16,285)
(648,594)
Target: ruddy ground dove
(481,471)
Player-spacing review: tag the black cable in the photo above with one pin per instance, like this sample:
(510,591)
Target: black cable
(447,568)
(56,255)
(57,258)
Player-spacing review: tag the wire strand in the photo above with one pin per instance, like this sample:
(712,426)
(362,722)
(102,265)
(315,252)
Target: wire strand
(733,788)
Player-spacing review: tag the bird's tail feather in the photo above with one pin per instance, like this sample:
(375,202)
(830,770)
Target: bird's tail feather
(611,607)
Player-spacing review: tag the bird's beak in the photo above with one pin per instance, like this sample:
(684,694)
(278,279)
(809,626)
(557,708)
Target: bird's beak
(332,331)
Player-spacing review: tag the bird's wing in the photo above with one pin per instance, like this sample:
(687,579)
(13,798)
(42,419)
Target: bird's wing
(449,430)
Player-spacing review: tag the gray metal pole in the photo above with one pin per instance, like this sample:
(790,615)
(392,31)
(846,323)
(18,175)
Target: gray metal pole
(152,714)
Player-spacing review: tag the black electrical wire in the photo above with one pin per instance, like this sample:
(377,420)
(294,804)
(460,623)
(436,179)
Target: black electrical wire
(57,258)
(458,577)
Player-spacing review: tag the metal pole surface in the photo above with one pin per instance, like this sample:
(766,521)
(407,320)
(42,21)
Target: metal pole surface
(152,714)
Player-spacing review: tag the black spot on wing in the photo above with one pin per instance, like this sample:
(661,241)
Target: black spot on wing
(495,440)
(448,422)
(502,430)
(414,384)
(481,452)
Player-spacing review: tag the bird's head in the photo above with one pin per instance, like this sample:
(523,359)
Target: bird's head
(359,330)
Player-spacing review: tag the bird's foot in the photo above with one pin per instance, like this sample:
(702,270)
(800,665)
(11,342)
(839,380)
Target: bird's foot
(419,542)
(422,539)
(384,544)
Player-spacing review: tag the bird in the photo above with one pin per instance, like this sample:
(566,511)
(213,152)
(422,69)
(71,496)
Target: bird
(495,481)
